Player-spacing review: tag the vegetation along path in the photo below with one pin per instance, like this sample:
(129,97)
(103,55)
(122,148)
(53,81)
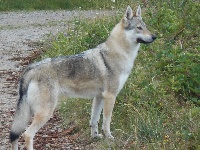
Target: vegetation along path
(19,31)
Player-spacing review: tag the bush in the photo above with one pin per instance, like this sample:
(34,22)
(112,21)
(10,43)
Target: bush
(177,25)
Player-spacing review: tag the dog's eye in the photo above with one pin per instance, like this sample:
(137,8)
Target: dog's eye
(140,28)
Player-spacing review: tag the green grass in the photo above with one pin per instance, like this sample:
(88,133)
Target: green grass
(7,5)
(158,107)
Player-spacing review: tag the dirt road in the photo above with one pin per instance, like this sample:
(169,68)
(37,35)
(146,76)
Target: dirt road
(18,30)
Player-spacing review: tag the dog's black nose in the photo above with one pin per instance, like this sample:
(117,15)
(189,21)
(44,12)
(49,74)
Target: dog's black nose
(154,37)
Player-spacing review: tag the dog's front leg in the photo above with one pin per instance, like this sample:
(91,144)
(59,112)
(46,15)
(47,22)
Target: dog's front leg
(97,106)
(109,101)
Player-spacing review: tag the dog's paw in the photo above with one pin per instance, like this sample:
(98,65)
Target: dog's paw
(109,136)
(99,136)
(96,135)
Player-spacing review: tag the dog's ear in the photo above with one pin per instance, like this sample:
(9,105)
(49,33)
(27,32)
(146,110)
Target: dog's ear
(138,12)
(129,13)
(127,17)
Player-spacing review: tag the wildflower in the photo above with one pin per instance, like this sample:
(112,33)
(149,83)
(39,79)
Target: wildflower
(65,34)
(113,1)
(166,141)
(166,136)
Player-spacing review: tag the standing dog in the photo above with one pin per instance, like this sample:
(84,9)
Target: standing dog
(98,73)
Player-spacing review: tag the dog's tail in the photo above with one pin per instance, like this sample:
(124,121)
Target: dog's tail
(22,113)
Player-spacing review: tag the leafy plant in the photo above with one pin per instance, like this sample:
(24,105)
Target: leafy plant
(179,58)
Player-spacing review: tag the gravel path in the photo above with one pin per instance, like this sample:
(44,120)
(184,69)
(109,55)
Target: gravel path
(17,31)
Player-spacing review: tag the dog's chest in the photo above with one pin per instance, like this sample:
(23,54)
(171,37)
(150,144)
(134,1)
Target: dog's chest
(122,79)
(127,67)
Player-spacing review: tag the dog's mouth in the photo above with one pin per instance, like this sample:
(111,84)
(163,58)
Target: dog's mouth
(139,40)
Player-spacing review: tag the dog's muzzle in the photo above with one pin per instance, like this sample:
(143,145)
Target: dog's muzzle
(140,40)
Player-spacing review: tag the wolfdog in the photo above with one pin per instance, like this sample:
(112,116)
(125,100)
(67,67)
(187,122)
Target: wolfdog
(97,73)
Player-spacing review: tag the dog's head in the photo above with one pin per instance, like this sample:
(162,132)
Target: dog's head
(135,28)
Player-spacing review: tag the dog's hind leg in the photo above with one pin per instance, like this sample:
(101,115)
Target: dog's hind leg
(97,106)
(42,108)
(40,118)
